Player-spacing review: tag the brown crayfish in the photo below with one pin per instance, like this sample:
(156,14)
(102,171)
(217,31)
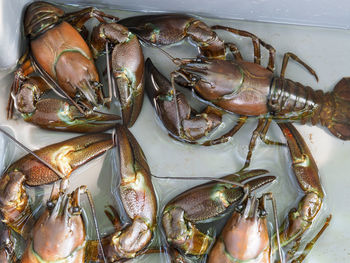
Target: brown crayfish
(63,61)
(234,86)
(245,236)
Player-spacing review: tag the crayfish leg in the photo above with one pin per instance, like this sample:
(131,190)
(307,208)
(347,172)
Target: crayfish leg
(256,44)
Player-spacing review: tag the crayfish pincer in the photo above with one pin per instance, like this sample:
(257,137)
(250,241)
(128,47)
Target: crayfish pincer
(173,109)
(139,200)
(63,62)
(127,66)
(65,157)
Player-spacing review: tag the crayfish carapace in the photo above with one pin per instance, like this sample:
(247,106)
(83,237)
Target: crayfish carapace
(63,61)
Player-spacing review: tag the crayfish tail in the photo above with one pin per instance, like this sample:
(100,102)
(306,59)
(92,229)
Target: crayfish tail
(335,113)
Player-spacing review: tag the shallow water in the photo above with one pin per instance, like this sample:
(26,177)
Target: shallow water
(325,50)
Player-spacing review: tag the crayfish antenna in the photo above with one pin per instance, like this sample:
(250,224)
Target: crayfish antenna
(201,178)
(93,211)
(110,87)
(270,197)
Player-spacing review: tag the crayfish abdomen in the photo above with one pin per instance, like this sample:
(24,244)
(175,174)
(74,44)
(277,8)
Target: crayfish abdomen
(294,101)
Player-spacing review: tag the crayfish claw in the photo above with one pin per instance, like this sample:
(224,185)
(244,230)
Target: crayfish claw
(302,218)
(138,197)
(127,66)
(174,110)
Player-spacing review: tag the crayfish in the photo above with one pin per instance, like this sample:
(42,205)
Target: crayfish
(63,62)
(233,86)
(245,235)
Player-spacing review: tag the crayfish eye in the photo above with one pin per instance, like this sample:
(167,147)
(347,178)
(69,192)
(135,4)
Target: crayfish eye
(239,208)
(96,84)
(262,213)
(75,210)
(50,205)
(194,79)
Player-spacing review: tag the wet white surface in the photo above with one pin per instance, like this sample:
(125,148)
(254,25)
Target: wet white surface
(325,50)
